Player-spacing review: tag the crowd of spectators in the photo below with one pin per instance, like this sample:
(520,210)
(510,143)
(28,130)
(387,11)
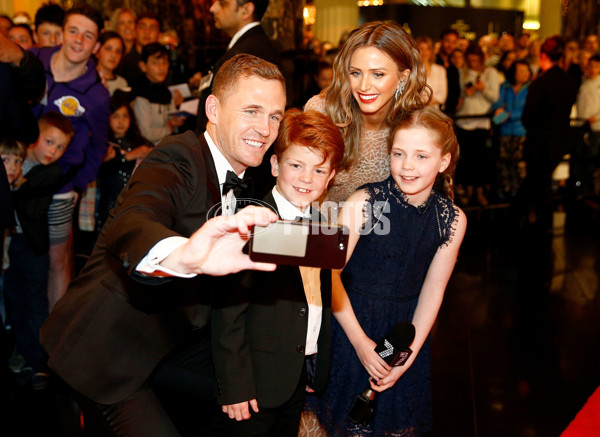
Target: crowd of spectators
(487,85)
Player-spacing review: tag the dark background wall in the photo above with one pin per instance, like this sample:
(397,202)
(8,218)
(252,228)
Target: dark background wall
(427,20)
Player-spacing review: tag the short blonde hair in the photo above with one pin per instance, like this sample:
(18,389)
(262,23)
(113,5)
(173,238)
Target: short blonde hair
(9,146)
(246,66)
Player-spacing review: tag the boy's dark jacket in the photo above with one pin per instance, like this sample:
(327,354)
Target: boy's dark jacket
(32,200)
(260,354)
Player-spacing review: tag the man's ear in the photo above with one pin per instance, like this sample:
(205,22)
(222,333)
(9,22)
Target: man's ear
(248,11)
(212,108)
(274,165)
(96,47)
(142,66)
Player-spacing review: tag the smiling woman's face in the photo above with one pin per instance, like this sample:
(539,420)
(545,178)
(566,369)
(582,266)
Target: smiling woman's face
(374,78)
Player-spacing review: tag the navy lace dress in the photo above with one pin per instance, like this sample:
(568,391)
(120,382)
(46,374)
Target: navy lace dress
(383,280)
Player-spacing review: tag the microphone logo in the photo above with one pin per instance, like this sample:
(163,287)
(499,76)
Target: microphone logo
(388,351)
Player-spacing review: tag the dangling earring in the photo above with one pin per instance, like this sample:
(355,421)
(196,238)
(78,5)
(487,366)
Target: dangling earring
(400,90)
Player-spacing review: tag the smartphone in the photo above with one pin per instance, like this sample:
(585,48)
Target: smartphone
(300,243)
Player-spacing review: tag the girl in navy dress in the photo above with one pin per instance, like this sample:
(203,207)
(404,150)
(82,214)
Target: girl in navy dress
(405,233)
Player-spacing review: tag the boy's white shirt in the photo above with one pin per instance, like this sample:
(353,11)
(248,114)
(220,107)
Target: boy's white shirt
(311,277)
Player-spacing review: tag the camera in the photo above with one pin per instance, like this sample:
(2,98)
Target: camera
(300,243)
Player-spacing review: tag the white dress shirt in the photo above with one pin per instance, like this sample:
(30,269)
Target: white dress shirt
(311,277)
(242,31)
(149,265)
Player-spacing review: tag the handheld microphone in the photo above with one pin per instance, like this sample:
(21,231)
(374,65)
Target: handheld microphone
(395,350)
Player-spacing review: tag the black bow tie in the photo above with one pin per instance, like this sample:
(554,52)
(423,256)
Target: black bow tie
(235,183)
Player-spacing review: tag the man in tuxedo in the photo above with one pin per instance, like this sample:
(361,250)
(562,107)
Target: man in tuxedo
(546,117)
(144,297)
(240,19)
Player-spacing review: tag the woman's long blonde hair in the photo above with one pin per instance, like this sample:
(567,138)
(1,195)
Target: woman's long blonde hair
(340,104)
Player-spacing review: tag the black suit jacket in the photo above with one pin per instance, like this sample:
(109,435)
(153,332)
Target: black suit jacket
(259,336)
(546,117)
(113,326)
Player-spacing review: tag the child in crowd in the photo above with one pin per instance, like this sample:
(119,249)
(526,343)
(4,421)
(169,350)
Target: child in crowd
(319,80)
(404,240)
(26,280)
(21,35)
(49,20)
(13,155)
(269,329)
(154,101)
(126,148)
(507,118)
(108,58)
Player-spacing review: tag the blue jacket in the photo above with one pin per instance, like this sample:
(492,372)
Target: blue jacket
(85,102)
(514,104)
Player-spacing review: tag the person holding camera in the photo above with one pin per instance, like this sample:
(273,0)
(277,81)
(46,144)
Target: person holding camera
(137,316)
(480,87)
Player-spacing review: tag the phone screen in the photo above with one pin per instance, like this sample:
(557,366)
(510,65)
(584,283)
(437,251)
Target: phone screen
(281,238)
(299,243)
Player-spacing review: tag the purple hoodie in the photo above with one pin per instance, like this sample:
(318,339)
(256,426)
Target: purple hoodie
(85,102)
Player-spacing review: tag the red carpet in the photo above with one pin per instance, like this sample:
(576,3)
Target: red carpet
(587,421)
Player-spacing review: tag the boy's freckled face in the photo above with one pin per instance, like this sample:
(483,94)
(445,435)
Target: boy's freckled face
(50,146)
(12,164)
(156,68)
(302,175)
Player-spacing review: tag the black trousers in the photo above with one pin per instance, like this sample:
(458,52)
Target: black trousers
(177,400)
(140,414)
(282,421)
(476,162)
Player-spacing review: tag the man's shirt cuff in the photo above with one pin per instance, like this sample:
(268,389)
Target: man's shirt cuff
(149,265)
